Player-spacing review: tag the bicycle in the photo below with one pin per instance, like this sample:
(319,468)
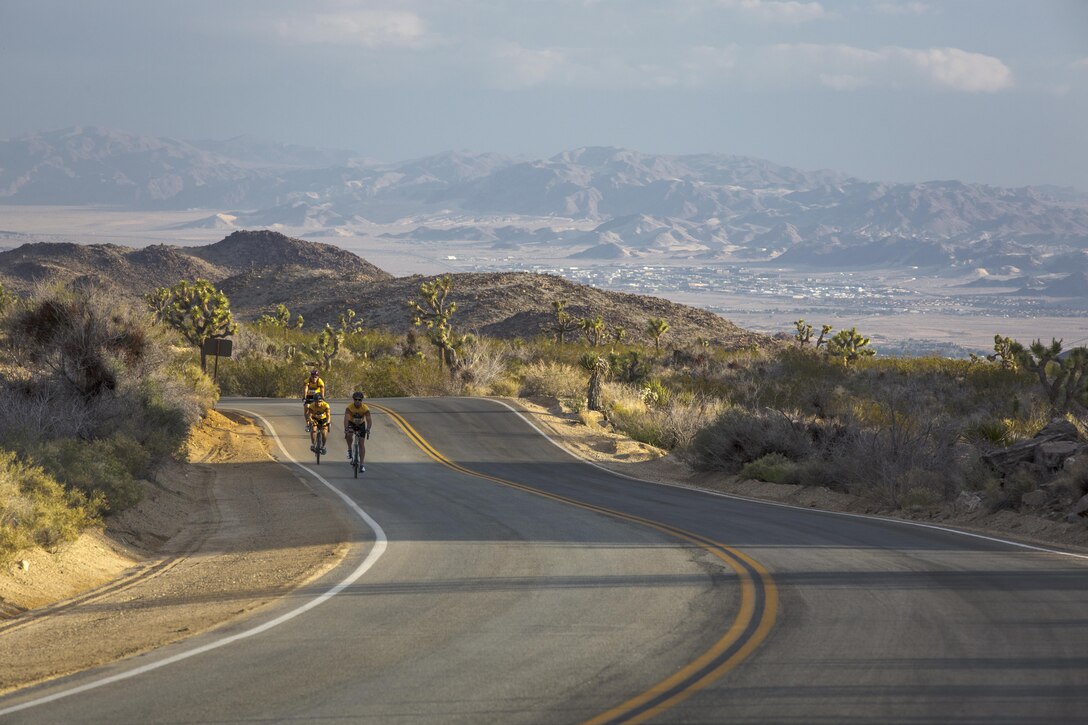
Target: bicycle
(356,435)
(319,446)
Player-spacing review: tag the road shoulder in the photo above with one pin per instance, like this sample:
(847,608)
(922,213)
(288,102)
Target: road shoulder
(215,540)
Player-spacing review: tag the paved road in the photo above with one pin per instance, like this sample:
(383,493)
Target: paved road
(519,585)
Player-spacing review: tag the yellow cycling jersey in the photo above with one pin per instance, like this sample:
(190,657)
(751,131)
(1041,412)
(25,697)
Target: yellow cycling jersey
(318,411)
(315,387)
(357,413)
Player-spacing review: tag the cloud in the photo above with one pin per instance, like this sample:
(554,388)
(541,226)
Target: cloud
(903,8)
(784,66)
(777,11)
(844,67)
(365,28)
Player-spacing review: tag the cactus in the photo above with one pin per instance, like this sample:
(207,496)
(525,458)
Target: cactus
(803,334)
(1007,352)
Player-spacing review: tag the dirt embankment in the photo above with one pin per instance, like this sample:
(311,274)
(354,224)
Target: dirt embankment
(212,541)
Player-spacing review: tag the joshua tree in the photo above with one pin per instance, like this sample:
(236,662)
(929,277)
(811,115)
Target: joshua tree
(563,324)
(348,324)
(195,309)
(593,329)
(597,367)
(656,327)
(434,315)
(849,345)
(1064,377)
(327,346)
(803,334)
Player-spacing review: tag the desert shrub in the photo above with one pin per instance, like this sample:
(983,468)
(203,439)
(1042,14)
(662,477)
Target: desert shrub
(1007,492)
(105,469)
(773,467)
(551,379)
(1073,479)
(36,510)
(505,387)
(483,363)
(258,375)
(740,436)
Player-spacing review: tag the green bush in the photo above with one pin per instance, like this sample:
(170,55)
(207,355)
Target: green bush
(37,510)
(103,470)
(740,436)
(773,468)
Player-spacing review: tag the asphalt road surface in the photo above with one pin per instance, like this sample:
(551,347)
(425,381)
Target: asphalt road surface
(501,580)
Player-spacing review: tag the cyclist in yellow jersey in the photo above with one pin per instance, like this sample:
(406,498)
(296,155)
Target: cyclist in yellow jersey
(314,384)
(318,417)
(357,417)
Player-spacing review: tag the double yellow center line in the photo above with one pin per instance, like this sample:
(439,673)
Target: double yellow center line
(750,627)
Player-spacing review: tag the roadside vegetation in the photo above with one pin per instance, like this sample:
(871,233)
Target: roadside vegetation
(817,409)
(95,394)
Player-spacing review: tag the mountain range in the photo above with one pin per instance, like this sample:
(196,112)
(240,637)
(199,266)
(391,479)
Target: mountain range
(604,203)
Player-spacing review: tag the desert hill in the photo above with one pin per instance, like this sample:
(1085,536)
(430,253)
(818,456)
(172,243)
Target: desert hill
(137,271)
(501,304)
(260,269)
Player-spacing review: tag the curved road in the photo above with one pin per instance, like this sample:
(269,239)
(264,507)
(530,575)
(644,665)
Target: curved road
(504,581)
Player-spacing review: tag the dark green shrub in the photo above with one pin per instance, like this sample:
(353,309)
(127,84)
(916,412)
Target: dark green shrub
(740,436)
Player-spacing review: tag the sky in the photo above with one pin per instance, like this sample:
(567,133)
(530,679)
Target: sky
(990,91)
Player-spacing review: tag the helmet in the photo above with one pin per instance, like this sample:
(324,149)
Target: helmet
(318,396)
(357,395)
(313,373)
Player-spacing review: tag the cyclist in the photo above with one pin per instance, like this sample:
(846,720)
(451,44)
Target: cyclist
(318,417)
(357,417)
(314,384)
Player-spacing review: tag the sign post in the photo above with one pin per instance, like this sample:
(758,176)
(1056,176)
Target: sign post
(220,347)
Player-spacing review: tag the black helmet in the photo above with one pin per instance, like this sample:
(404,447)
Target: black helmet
(357,395)
(318,395)
(313,373)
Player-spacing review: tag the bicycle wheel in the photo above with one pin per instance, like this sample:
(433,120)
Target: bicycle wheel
(319,446)
(355,454)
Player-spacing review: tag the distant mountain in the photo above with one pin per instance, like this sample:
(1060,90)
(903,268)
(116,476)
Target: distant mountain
(702,206)
(1072,285)
(137,271)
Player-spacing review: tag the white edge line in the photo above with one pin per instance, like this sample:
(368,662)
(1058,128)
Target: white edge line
(380,544)
(749,499)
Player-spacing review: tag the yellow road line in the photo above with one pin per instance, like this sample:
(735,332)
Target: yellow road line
(759,598)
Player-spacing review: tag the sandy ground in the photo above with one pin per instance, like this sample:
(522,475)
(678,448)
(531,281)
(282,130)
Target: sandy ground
(214,540)
(218,538)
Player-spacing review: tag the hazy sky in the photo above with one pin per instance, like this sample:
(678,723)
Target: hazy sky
(994,91)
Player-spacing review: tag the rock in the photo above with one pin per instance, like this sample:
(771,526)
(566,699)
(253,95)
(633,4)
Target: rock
(1035,499)
(24,565)
(968,501)
(1057,431)
(1079,512)
(1053,454)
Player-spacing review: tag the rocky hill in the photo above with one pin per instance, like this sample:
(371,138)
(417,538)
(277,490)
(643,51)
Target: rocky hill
(135,271)
(261,269)
(504,305)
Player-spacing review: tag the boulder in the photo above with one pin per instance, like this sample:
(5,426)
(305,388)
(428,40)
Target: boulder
(1053,454)
(1079,512)
(968,501)
(1058,430)
(1035,499)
